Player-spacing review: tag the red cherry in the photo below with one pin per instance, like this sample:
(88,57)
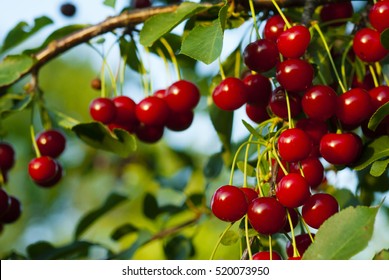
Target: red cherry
(341,149)
(5,202)
(139,4)
(379,15)
(379,96)
(314,128)
(353,107)
(161,93)
(7,156)
(256,113)
(302,243)
(318,208)
(43,169)
(293,42)
(51,143)
(125,111)
(149,133)
(182,96)
(319,102)
(250,194)
(13,213)
(367,45)
(102,110)
(274,27)
(179,121)
(152,111)
(278,104)
(336,11)
(261,55)
(229,203)
(295,74)
(313,171)
(266,215)
(230,94)
(293,190)
(258,89)
(294,145)
(265,255)
(53,181)
(366,82)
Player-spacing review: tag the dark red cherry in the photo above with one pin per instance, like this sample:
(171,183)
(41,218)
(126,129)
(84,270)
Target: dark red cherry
(318,208)
(250,194)
(42,169)
(68,9)
(139,4)
(266,215)
(102,110)
(319,102)
(258,89)
(379,15)
(313,170)
(295,74)
(52,182)
(379,96)
(230,94)
(278,104)
(51,143)
(152,111)
(265,255)
(182,96)
(261,55)
(125,111)
(5,202)
(336,11)
(274,26)
(293,42)
(353,107)
(341,149)
(149,133)
(229,203)
(294,145)
(257,113)
(7,156)
(302,243)
(367,45)
(293,190)
(366,82)
(13,213)
(314,128)
(179,121)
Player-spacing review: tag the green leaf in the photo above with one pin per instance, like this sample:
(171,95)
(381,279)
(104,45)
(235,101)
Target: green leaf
(250,170)
(179,248)
(230,238)
(129,52)
(150,206)
(375,150)
(222,122)
(158,25)
(144,236)
(12,103)
(43,250)
(214,166)
(379,167)
(252,130)
(123,230)
(178,181)
(385,38)
(345,198)
(112,201)
(378,116)
(98,136)
(13,67)
(343,235)
(22,31)
(110,3)
(382,255)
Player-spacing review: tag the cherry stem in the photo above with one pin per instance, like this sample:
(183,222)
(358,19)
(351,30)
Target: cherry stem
(270,248)
(278,159)
(172,56)
(246,156)
(295,251)
(343,66)
(238,58)
(222,74)
(246,228)
(34,144)
(317,28)
(259,171)
(252,9)
(287,23)
(306,228)
(290,120)
(373,74)
(219,241)
(165,61)
(379,70)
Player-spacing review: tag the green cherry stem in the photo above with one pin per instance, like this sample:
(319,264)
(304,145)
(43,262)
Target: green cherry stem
(373,74)
(287,23)
(290,120)
(166,63)
(252,9)
(306,228)
(246,158)
(295,251)
(379,70)
(246,228)
(343,65)
(270,247)
(219,241)
(34,144)
(172,56)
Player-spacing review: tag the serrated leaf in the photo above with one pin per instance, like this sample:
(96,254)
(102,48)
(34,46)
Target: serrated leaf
(343,235)
(378,116)
(98,136)
(230,238)
(150,206)
(123,230)
(43,250)
(379,167)
(158,25)
(382,255)
(250,170)
(112,201)
(13,67)
(22,31)
(110,3)
(179,248)
(385,38)
(144,236)
(375,150)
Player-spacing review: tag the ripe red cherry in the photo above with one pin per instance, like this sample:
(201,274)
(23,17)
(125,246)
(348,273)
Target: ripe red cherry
(161,93)
(341,149)
(314,128)
(367,45)
(152,111)
(256,113)
(319,102)
(179,121)
(313,171)
(7,156)
(261,55)
(379,96)
(366,82)
(250,194)
(125,111)
(182,96)
(43,169)
(336,11)
(379,16)
(274,27)
(229,203)
(149,133)
(258,89)
(294,145)
(302,243)
(4,202)
(278,104)
(138,4)
(265,255)
(13,213)
(53,181)
(293,190)
(266,215)
(353,107)
(293,42)
(230,94)
(102,110)
(318,208)
(295,74)
(51,143)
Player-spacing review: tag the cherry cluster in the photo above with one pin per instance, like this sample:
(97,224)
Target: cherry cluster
(171,108)
(10,207)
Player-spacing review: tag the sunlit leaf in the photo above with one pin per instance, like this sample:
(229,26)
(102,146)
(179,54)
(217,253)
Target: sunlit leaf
(13,67)
(378,116)
(382,255)
(375,150)
(379,167)
(110,3)
(230,238)
(248,169)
